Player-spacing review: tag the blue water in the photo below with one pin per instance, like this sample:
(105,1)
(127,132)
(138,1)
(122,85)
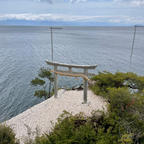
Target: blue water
(23,51)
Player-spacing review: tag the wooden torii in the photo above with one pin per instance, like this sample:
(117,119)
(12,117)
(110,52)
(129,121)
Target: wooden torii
(71,73)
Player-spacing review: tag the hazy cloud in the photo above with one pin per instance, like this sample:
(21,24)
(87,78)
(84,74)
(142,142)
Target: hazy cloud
(77,1)
(73,18)
(132,2)
(49,1)
(113,11)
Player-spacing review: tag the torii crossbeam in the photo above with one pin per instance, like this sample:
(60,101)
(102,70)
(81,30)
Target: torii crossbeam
(71,73)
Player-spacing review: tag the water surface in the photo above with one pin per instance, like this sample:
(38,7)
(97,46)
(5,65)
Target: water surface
(23,51)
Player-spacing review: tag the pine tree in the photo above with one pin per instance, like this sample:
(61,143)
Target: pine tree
(45,79)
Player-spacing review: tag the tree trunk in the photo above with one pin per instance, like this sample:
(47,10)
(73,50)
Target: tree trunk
(49,92)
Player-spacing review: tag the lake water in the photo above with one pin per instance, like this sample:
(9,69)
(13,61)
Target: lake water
(23,51)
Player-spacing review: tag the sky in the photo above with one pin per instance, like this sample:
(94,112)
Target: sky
(72,12)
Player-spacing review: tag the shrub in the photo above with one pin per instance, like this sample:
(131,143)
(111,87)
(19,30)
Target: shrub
(72,129)
(120,100)
(106,80)
(7,136)
(83,130)
(122,124)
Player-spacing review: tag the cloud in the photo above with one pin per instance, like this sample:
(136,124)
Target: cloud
(49,1)
(78,1)
(131,2)
(72,18)
(47,17)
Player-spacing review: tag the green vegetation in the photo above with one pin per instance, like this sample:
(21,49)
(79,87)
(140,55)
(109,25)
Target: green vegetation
(106,80)
(122,124)
(7,136)
(45,78)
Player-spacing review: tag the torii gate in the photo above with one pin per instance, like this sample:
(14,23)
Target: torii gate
(71,73)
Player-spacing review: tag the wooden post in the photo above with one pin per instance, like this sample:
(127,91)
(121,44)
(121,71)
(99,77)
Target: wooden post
(51,42)
(55,82)
(70,69)
(85,86)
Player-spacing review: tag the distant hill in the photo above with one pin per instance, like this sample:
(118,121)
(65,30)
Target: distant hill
(56,23)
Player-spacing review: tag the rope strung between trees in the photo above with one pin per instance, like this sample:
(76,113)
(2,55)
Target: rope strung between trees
(90,82)
(71,74)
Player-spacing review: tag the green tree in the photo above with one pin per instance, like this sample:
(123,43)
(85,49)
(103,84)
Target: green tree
(45,79)
(7,135)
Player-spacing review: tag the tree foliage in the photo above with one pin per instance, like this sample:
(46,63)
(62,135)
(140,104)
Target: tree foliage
(41,93)
(37,81)
(45,78)
(7,136)
(45,73)
(106,80)
(122,124)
